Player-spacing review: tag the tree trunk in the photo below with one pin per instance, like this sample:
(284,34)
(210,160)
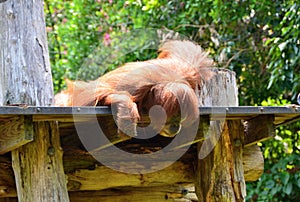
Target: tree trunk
(25,79)
(219,172)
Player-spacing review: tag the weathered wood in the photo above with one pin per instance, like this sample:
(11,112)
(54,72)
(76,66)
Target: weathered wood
(236,132)
(25,78)
(15,132)
(219,173)
(259,129)
(85,179)
(134,194)
(253,163)
(45,152)
(214,179)
(80,167)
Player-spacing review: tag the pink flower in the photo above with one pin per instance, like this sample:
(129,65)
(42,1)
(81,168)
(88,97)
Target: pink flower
(106,36)
(107,39)
(64,20)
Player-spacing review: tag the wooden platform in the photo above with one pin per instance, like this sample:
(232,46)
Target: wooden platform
(88,177)
(283,114)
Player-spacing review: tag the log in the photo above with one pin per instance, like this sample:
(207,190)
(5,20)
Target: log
(137,194)
(107,178)
(25,79)
(253,163)
(219,173)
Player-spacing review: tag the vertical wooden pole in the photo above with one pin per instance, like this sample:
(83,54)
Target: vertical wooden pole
(219,171)
(25,78)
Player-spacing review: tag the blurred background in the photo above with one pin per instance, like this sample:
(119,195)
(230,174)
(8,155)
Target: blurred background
(259,40)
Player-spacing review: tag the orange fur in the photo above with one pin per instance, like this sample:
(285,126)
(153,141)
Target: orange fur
(169,81)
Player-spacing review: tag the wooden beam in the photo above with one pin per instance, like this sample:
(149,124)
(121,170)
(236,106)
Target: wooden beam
(236,131)
(213,174)
(177,173)
(259,129)
(15,132)
(219,171)
(177,193)
(38,166)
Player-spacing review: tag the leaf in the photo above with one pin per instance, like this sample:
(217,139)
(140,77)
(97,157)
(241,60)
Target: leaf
(284,178)
(298,182)
(288,189)
(270,184)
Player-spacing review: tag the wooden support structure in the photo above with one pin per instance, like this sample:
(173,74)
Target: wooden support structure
(219,173)
(25,79)
(49,163)
(90,180)
(84,173)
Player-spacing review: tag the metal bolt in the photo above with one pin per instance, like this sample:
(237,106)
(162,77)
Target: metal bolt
(261,109)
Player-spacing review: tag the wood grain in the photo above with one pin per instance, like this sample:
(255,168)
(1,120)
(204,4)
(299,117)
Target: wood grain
(15,132)
(26,80)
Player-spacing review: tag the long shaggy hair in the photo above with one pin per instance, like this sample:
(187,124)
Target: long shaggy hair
(169,81)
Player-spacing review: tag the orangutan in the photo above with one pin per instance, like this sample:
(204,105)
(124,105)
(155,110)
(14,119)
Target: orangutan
(170,81)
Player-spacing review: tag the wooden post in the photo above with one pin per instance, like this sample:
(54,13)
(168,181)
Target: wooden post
(25,79)
(219,172)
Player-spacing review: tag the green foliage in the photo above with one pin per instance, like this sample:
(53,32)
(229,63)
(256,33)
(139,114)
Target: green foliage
(281,182)
(284,55)
(259,40)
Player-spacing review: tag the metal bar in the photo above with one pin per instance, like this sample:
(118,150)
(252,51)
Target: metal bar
(104,110)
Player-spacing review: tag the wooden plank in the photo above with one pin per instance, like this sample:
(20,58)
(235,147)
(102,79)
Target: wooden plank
(15,132)
(259,129)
